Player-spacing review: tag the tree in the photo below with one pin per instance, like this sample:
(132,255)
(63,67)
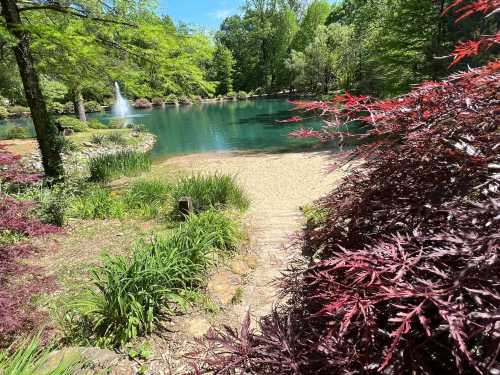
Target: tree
(223,69)
(316,14)
(46,131)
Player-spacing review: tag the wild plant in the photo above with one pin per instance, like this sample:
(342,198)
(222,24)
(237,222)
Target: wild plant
(123,163)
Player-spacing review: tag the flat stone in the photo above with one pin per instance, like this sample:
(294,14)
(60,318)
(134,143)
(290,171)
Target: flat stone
(198,327)
(222,286)
(239,267)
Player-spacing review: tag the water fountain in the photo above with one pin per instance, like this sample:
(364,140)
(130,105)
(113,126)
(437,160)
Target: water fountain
(121,108)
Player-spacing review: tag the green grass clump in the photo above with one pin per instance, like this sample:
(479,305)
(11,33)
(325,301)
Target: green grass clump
(148,198)
(95,124)
(117,139)
(216,191)
(124,163)
(29,358)
(98,139)
(97,203)
(69,122)
(132,293)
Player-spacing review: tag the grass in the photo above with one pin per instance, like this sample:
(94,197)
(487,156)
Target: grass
(214,191)
(29,358)
(132,294)
(104,168)
(148,198)
(117,138)
(97,202)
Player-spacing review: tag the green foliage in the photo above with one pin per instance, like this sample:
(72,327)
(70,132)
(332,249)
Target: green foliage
(223,63)
(132,293)
(219,191)
(4,113)
(97,202)
(116,123)
(95,124)
(171,99)
(117,138)
(28,357)
(16,132)
(66,145)
(98,139)
(123,163)
(18,110)
(242,95)
(57,108)
(70,122)
(149,198)
(92,106)
(316,15)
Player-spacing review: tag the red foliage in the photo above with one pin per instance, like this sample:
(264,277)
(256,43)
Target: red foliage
(18,282)
(290,120)
(11,170)
(407,272)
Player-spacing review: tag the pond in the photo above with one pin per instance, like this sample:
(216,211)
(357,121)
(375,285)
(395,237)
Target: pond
(220,126)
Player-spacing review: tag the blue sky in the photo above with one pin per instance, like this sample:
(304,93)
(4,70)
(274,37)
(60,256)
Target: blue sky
(206,13)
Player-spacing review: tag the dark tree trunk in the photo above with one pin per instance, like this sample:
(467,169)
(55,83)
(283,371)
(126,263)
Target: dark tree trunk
(46,132)
(79,105)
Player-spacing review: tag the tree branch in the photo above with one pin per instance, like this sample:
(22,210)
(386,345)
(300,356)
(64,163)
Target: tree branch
(73,12)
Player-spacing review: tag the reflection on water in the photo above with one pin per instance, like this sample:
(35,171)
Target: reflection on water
(242,125)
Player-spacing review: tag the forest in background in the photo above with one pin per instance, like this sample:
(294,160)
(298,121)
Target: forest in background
(378,47)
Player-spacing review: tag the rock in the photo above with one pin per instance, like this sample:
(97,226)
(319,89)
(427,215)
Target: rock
(198,327)
(239,267)
(223,285)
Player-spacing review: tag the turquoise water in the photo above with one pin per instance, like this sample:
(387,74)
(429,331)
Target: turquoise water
(220,126)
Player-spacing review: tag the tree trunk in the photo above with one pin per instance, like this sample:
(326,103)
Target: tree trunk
(79,105)
(46,132)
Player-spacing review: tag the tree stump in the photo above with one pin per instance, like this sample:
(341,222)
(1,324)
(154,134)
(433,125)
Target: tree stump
(185,205)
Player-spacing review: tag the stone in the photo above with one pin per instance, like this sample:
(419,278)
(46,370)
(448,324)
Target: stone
(239,267)
(198,327)
(223,285)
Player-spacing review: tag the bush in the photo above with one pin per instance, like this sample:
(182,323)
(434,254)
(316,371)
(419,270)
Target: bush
(139,128)
(4,113)
(97,203)
(406,276)
(171,99)
(66,145)
(117,138)
(98,139)
(142,104)
(95,124)
(184,100)
(69,122)
(117,123)
(92,106)
(158,102)
(69,107)
(148,197)
(124,163)
(18,110)
(242,95)
(57,108)
(17,132)
(217,191)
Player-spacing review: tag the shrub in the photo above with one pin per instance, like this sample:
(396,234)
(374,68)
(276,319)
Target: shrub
(97,203)
(17,132)
(148,197)
(139,128)
(242,95)
(70,122)
(124,163)
(95,124)
(28,356)
(12,172)
(4,113)
(171,99)
(132,295)
(158,102)
(184,100)
(219,191)
(98,139)
(92,106)
(117,139)
(18,110)
(117,123)
(142,104)
(69,107)
(407,273)
(57,108)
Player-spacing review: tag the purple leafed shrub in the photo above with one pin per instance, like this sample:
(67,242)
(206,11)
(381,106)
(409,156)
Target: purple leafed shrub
(406,270)
(18,282)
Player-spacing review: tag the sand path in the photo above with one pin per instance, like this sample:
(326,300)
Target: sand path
(278,185)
